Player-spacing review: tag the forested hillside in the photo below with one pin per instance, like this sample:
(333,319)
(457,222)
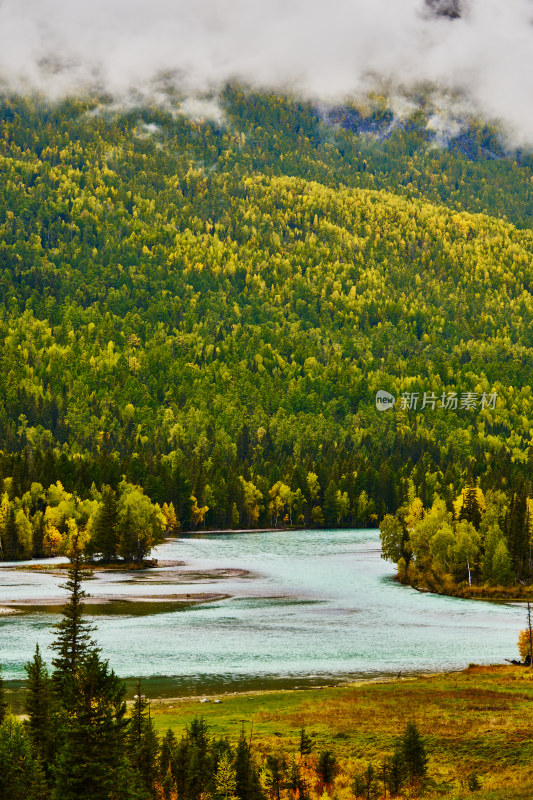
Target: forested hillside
(209,308)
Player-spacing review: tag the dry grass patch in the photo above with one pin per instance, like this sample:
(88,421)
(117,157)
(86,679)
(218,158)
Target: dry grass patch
(479,720)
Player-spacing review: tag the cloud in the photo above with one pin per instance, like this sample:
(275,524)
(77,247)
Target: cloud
(322,49)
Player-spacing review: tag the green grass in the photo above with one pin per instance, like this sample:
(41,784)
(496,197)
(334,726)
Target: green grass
(479,720)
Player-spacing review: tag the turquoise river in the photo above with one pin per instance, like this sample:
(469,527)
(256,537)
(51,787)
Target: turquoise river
(286,608)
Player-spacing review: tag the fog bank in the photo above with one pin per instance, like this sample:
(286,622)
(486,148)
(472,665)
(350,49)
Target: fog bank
(321,50)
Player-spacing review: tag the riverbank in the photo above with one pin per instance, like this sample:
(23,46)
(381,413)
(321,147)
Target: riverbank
(479,720)
(445,587)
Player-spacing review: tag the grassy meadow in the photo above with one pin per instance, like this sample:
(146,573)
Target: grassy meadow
(477,721)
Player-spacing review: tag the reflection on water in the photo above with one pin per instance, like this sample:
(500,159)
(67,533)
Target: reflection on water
(312,603)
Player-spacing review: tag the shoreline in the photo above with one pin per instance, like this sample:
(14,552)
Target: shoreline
(162,700)
(486,594)
(108,601)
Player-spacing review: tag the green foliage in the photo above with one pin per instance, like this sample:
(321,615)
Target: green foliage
(3,702)
(393,538)
(365,785)
(39,707)
(143,743)
(20,775)
(225,780)
(447,549)
(92,748)
(306,743)
(276,769)
(247,782)
(326,767)
(73,643)
(210,311)
(104,537)
(412,751)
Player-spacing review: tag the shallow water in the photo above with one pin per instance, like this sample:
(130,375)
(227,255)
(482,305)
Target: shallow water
(317,606)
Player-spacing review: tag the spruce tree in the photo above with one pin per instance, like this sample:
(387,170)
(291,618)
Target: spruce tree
(326,767)
(128,544)
(73,641)
(394,773)
(20,777)
(12,547)
(517,531)
(275,776)
(330,504)
(248,785)
(144,745)
(3,703)
(306,743)
(413,753)
(91,758)
(198,766)
(104,539)
(39,707)
(471,510)
(167,760)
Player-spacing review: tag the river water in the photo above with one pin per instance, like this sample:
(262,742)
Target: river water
(314,606)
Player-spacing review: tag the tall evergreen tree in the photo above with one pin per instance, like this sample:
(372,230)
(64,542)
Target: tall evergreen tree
(39,707)
(167,761)
(144,745)
(21,777)
(517,531)
(248,785)
(413,753)
(306,743)
(91,758)
(199,769)
(3,703)
(128,543)
(11,540)
(326,767)
(73,640)
(471,510)
(105,536)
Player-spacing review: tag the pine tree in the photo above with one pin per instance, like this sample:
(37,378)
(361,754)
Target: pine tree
(105,536)
(394,773)
(91,723)
(471,510)
(3,703)
(198,766)
(306,743)
(144,745)
(20,776)
(92,753)
(330,504)
(326,767)
(167,760)
(12,546)
(413,753)
(73,640)
(248,785)
(275,776)
(517,530)
(38,707)
(128,544)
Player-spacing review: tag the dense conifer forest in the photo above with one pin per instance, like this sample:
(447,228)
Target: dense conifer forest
(199,312)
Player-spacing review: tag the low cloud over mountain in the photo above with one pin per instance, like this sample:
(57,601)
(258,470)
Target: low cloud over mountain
(323,50)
